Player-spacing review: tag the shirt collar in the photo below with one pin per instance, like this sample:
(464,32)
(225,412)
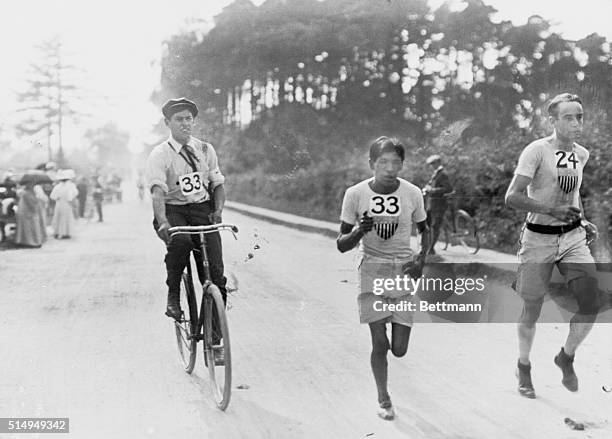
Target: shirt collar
(178,146)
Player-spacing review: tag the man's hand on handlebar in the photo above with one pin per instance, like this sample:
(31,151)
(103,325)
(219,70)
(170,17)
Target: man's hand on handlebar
(162,232)
(215,217)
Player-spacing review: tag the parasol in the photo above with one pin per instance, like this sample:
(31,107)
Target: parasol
(35,177)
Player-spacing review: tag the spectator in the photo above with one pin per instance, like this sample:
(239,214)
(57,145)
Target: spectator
(435,191)
(30,230)
(64,194)
(82,196)
(43,203)
(98,197)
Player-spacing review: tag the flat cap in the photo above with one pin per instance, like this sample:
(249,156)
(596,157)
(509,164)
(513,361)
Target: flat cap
(433,158)
(175,105)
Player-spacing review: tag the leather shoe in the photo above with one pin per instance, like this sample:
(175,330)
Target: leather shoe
(566,364)
(174,311)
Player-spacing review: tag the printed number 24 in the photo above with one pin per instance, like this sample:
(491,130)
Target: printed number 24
(562,160)
(389,204)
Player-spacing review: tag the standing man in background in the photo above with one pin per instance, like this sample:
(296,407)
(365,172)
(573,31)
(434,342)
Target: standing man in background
(82,197)
(98,197)
(435,191)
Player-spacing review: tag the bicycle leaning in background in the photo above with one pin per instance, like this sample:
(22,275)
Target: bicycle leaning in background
(209,325)
(459,227)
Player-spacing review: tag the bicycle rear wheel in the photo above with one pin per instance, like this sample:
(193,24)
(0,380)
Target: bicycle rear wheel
(216,338)
(467,232)
(187,344)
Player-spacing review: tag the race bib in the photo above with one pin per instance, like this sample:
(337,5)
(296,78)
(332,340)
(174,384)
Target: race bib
(567,172)
(387,205)
(386,210)
(192,184)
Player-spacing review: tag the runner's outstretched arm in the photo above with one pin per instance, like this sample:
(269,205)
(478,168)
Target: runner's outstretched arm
(425,240)
(589,227)
(349,236)
(516,196)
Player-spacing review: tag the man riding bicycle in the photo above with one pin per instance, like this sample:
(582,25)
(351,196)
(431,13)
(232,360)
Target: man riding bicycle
(187,190)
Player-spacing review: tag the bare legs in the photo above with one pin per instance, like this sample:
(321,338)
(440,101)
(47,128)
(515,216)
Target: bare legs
(400,335)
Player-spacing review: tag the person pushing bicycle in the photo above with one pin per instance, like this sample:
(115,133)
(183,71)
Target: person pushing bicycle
(186,187)
(435,191)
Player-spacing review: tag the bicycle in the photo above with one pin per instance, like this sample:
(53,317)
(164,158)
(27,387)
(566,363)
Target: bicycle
(210,325)
(462,229)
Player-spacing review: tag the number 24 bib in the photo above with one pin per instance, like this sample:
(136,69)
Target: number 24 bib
(192,184)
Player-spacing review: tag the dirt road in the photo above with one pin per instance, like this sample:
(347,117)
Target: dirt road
(83,336)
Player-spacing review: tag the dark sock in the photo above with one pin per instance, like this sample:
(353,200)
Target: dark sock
(524,367)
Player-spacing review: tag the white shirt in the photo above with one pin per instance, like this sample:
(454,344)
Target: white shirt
(393,216)
(165,165)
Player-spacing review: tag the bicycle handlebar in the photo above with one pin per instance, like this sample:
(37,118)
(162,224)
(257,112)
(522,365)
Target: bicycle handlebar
(194,230)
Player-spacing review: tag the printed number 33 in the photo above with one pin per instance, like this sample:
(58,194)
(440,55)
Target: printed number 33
(389,205)
(189,186)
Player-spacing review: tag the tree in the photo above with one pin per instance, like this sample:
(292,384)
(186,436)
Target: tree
(46,100)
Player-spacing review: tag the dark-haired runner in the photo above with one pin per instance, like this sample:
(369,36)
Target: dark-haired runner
(378,214)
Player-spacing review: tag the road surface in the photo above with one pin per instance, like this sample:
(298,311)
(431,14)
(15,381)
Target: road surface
(83,335)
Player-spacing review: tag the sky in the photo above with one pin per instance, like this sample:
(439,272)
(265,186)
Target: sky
(117,46)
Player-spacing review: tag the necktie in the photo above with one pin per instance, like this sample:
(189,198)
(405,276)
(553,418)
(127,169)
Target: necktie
(193,159)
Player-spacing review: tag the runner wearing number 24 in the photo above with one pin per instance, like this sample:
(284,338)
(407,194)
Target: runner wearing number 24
(187,190)
(546,184)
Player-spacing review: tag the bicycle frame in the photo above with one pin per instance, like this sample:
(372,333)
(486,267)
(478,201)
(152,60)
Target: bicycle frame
(201,231)
(211,326)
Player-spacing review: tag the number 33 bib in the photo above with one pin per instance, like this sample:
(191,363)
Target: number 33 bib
(385,209)
(192,184)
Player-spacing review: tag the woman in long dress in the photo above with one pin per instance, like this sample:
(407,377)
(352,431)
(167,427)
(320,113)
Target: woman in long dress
(63,217)
(43,203)
(30,230)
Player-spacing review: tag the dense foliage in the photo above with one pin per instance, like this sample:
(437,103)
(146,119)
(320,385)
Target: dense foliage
(293,91)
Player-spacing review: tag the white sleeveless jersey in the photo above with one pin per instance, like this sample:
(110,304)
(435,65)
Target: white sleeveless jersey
(393,215)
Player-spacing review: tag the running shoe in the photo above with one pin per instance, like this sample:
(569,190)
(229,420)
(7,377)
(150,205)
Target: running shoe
(525,386)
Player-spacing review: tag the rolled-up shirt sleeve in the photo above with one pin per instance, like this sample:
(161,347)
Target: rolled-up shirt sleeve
(215,176)
(155,170)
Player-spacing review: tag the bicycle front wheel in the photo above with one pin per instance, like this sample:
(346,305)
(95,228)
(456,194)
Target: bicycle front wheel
(467,232)
(217,351)
(185,329)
